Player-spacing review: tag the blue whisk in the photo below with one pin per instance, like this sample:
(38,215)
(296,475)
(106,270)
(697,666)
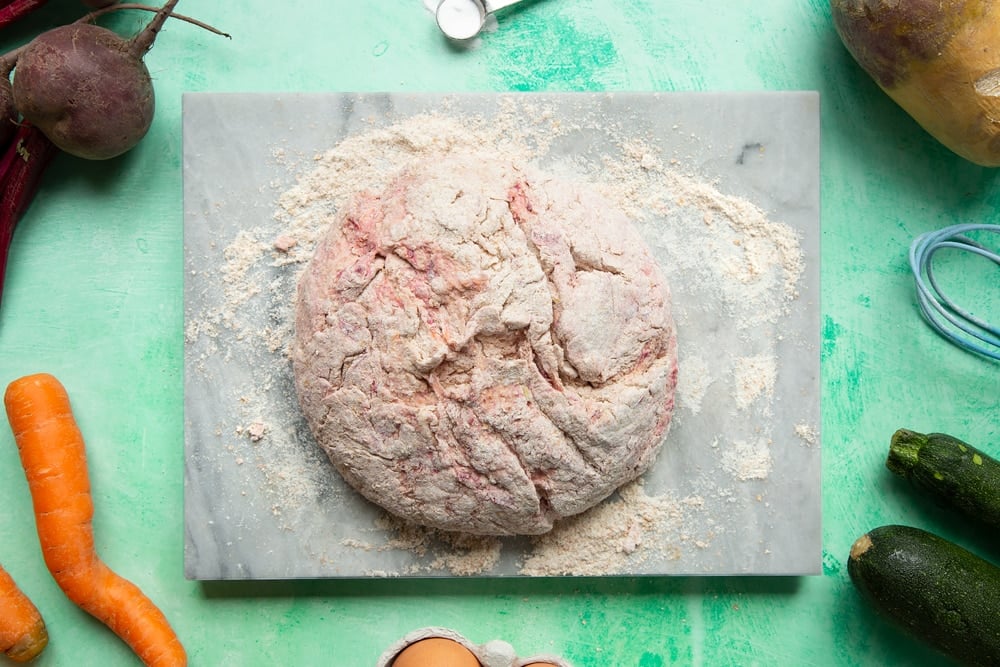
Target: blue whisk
(946,317)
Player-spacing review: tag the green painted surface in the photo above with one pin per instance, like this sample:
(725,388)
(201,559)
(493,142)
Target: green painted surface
(94,296)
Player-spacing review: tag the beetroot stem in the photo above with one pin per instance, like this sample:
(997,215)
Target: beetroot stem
(120,6)
(143,41)
(18,9)
(21,168)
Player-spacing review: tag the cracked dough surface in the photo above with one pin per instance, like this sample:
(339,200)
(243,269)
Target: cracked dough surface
(484,348)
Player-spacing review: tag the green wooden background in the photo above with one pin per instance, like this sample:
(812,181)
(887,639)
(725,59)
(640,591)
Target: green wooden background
(94,297)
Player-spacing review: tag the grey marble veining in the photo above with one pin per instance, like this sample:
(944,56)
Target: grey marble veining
(763,147)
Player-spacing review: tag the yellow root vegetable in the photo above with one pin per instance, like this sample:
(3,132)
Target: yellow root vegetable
(938,59)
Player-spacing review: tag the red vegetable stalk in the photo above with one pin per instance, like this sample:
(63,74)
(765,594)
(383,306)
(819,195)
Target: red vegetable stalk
(18,9)
(13,10)
(21,168)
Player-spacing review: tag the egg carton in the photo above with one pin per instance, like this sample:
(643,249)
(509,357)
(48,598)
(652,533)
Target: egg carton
(494,653)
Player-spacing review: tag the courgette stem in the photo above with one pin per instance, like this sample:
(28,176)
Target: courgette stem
(904,451)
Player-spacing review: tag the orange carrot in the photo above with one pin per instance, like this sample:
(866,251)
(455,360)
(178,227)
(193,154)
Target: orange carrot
(55,463)
(22,630)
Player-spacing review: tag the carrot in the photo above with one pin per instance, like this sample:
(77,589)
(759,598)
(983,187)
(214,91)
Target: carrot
(22,630)
(55,463)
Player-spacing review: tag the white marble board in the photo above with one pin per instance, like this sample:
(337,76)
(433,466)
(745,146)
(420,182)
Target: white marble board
(266,505)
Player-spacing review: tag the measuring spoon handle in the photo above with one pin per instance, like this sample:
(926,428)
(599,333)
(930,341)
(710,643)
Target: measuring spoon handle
(494,5)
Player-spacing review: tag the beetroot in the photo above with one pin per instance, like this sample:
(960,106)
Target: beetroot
(8,112)
(79,88)
(87,88)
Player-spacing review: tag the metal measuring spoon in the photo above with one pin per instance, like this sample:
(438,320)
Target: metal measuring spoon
(464,19)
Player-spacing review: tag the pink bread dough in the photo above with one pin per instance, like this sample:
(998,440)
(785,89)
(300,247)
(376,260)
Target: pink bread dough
(484,348)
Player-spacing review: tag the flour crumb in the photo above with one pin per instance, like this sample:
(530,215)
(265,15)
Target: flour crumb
(753,379)
(256,431)
(808,433)
(693,380)
(748,460)
(284,243)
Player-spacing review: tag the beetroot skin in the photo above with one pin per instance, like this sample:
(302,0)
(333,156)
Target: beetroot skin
(87,89)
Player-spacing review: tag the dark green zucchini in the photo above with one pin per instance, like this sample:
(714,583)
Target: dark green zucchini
(933,588)
(954,472)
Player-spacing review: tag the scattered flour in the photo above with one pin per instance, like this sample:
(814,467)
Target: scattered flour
(452,552)
(753,379)
(748,460)
(807,432)
(623,531)
(747,263)
(693,379)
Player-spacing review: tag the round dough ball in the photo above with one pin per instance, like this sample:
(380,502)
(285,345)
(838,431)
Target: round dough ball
(484,348)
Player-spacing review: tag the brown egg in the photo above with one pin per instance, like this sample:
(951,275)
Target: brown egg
(435,652)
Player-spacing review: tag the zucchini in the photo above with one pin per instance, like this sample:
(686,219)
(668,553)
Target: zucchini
(934,589)
(954,472)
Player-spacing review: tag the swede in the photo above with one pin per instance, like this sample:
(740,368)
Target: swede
(938,59)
